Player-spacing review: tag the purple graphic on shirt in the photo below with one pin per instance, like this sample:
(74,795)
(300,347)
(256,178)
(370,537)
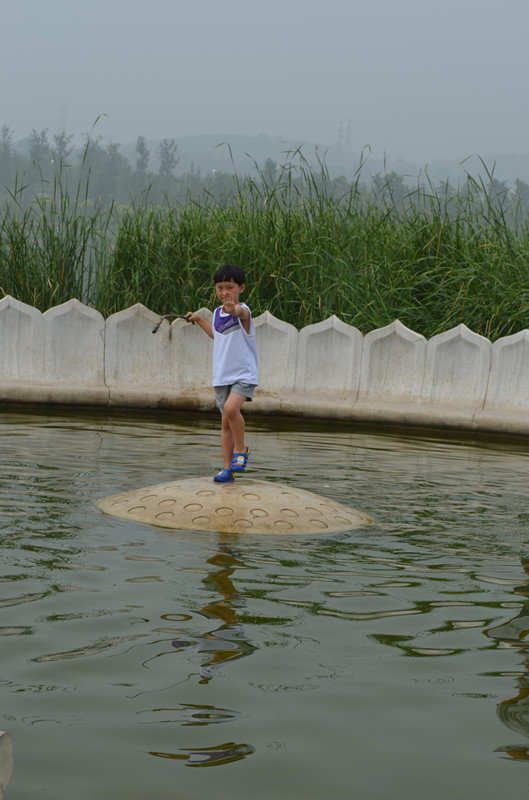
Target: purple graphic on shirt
(225,324)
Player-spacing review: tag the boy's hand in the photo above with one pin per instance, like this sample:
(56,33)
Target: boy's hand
(200,321)
(230,307)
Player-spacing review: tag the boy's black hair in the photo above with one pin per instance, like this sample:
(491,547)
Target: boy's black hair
(229,272)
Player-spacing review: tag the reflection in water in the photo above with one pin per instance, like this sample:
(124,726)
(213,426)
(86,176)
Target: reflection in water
(514,712)
(226,643)
(210,756)
(193,714)
(517,751)
(208,715)
(381,628)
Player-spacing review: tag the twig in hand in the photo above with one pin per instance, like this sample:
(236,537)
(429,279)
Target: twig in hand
(169,316)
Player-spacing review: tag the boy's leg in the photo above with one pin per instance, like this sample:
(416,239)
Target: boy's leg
(226,438)
(235,422)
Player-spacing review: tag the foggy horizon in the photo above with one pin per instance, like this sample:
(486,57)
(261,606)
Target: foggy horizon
(415,80)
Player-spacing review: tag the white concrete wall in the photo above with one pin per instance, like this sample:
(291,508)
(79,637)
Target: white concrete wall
(133,355)
(277,347)
(21,352)
(457,368)
(508,385)
(6,761)
(74,344)
(329,355)
(191,352)
(70,354)
(393,361)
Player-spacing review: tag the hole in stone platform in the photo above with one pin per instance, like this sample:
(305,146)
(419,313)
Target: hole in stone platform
(289,512)
(193,507)
(165,515)
(258,512)
(283,525)
(224,511)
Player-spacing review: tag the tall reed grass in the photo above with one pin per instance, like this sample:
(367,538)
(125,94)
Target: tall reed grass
(309,250)
(51,247)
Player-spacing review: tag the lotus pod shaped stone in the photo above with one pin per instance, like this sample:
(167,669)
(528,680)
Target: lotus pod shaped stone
(245,506)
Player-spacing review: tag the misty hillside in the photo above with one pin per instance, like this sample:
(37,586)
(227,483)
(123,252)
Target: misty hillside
(229,153)
(212,152)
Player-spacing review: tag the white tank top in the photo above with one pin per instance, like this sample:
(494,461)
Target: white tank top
(234,350)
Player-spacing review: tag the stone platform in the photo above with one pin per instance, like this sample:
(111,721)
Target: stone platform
(244,506)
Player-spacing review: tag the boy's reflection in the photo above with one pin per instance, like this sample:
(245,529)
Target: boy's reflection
(226,643)
(515,712)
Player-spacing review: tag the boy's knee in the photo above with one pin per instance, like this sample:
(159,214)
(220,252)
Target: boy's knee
(231,412)
(232,409)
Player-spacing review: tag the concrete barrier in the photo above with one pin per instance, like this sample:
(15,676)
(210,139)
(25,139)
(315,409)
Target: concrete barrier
(457,379)
(133,356)
(74,344)
(393,361)
(508,385)
(329,355)
(21,354)
(191,351)
(277,346)
(507,401)
(457,369)
(6,761)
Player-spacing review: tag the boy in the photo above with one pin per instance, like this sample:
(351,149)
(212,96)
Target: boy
(234,365)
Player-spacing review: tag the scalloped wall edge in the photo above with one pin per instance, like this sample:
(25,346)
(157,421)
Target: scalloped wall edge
(458,379)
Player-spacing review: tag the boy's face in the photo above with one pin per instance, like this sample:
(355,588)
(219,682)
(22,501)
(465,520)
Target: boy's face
(228,291)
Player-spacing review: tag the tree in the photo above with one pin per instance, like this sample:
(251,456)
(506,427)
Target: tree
(445,190)
(39,148)
(390,187)
(142,162)
(6,142)
(114,175)
(269,171)
(521,190)
(92,155)
(61,149)
(168,159)
(7,155)
(497,188)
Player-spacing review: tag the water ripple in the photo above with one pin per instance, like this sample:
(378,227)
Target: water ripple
(420,621)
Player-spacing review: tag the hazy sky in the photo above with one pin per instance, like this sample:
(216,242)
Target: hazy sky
(418,78)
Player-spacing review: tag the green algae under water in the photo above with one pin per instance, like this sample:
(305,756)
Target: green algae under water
(384,662)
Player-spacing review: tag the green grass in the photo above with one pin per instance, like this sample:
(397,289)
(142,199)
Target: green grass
(308,251)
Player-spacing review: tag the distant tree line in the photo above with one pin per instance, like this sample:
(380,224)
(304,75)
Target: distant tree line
(108,175)
(102,174)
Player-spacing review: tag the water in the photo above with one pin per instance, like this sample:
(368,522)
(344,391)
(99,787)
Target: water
(384,662)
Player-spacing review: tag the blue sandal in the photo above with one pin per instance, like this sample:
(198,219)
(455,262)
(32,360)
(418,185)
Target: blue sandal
(224,476)
(239,461)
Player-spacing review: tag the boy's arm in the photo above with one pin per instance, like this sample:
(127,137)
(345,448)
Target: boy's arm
(239,311)
(203,323)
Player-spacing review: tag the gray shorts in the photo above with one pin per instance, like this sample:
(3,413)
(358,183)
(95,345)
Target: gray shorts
(222,392)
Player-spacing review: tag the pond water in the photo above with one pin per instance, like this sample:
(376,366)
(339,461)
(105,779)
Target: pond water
(388,661)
